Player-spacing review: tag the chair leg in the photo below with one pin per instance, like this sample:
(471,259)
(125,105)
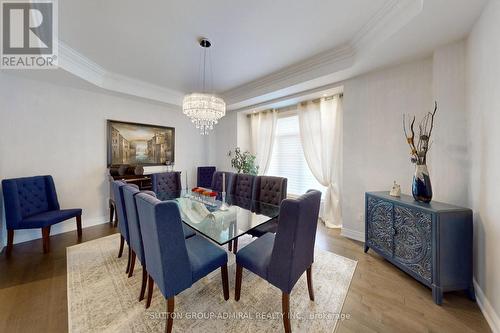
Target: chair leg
(285,304)
(237,288)
(46,239)
(111,211)
(235,246)
(310,283)
(230,246)
(122,242)
(115,223)
(151,284)
(144,282)
(128,261)
(79,227)
(225,283)
(132,264)
(170,315)
(10,241)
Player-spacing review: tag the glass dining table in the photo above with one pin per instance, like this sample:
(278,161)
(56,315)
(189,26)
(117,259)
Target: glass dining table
(222,224)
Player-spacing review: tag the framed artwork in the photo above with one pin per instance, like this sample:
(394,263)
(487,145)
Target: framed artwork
(140,144)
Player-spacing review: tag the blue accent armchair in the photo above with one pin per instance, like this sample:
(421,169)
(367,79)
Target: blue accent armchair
(174,262)
(167,185)
(281,259)
(205,174)
(31,202)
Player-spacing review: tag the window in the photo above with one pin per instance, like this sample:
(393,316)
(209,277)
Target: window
(287,159)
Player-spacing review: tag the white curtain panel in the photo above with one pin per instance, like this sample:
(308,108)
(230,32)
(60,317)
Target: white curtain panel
(320,125)
(262,135)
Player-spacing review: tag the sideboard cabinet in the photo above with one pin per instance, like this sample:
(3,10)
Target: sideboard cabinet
(431,242)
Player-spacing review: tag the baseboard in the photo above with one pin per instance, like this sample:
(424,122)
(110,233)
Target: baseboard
(489,313)
(21,236)
(353,234)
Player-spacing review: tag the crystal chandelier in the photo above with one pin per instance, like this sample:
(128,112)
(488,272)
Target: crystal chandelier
(204,109)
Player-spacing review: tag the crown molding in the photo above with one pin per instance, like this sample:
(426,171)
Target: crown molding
(389,19)
(77,64)
(334,60)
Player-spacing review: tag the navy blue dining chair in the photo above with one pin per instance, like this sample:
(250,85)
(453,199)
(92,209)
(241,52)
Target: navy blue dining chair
(217,182)
(31,202)
(241,195)
(174,262)
(117,186)
(204,176)
(270,190)
(243,185)
(282,258)
(135,235)
(167,185)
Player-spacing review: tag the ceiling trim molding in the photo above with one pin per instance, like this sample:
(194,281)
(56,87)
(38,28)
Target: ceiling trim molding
(336,59)
(389,19)
(385,22)
(75,63)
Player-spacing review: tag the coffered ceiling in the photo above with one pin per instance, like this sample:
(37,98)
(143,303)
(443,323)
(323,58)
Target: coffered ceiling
(261,49)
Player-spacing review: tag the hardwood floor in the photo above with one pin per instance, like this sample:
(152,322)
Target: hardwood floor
(384,299)
(381,298)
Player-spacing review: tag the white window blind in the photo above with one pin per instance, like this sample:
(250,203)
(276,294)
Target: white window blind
(288,160)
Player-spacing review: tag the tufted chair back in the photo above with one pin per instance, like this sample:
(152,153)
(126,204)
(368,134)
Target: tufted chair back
(167,185)
(164,245)
(28,196)
(293,249)
(243,185)
(217,182)
(117,186)
(205,175)
(271,190)
(134,229)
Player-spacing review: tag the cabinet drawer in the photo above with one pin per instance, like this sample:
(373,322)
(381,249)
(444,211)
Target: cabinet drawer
(413,240)
(380,231)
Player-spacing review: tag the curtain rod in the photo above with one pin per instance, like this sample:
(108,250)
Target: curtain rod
(294,106)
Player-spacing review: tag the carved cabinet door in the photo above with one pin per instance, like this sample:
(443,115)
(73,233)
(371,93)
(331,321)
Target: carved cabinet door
(413,240)
(379,224)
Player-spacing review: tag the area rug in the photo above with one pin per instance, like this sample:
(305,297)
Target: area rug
(102,299)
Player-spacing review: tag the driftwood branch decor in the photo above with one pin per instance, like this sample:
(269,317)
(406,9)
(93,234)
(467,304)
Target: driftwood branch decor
(418,150)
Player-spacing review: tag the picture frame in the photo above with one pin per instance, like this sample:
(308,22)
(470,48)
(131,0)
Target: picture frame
(139,144)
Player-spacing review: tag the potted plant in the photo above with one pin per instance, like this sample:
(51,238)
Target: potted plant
(243,162)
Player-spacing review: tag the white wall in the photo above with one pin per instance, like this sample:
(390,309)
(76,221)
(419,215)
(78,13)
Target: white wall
(483,107)
(449,156)
(375,152)
(225,139)
(243,131)
(57,130)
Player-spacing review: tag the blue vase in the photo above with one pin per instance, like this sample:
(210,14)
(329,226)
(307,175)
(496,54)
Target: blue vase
(421,187)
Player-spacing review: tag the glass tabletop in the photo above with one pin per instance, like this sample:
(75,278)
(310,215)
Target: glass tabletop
(223,223)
